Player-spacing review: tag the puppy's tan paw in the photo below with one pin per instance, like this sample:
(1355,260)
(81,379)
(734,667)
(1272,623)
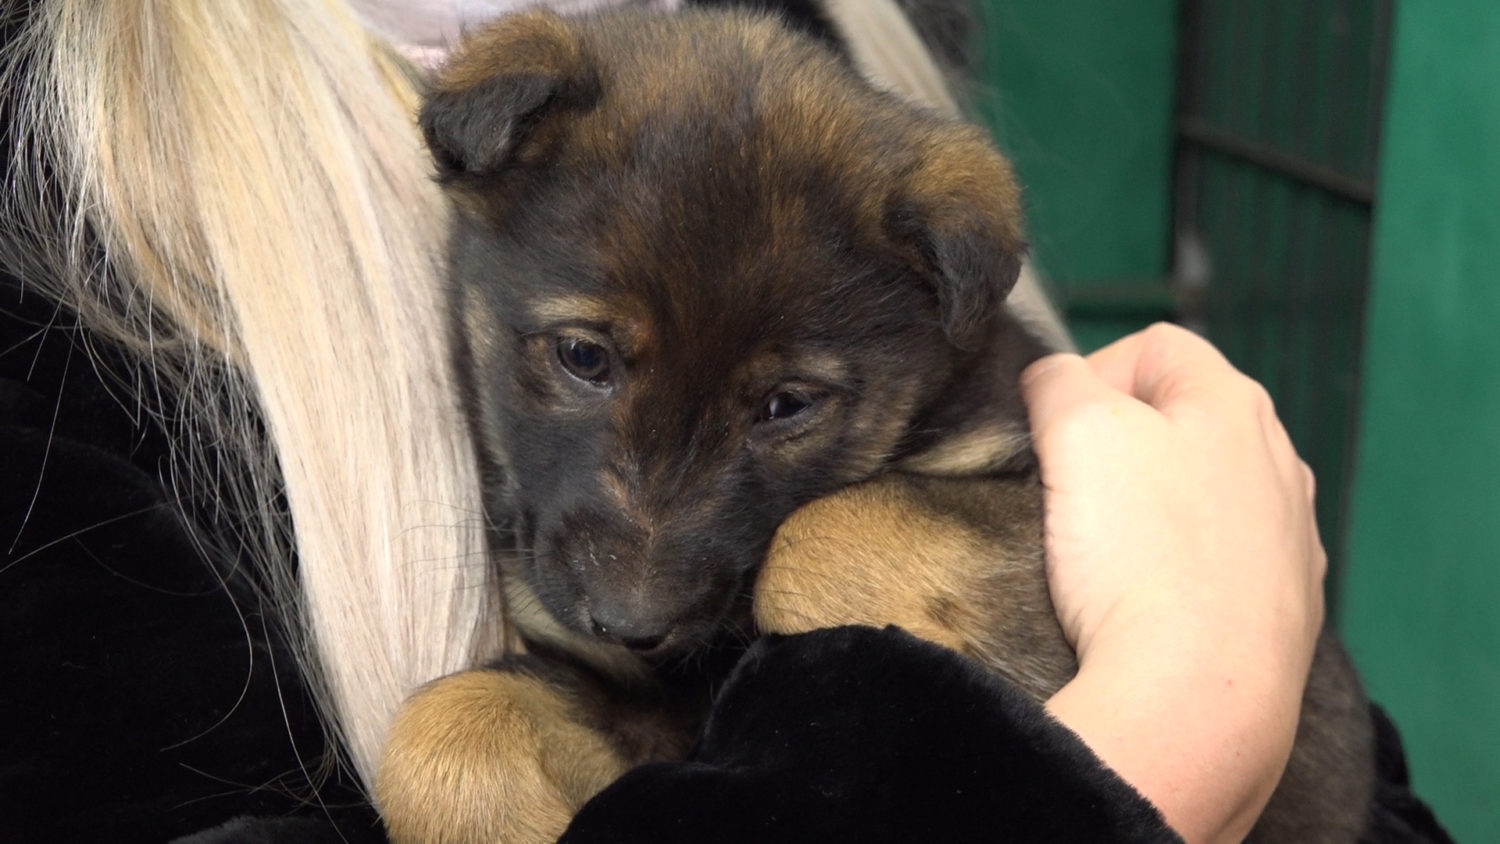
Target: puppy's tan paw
(870,554)
(489,756)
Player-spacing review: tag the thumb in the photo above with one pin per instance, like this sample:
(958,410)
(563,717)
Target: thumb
(1058,386)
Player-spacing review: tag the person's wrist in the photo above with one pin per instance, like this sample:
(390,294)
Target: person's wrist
(1200,721)
(1253,668)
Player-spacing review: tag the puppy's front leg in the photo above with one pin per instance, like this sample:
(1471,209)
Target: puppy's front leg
(491,755)
(956,561)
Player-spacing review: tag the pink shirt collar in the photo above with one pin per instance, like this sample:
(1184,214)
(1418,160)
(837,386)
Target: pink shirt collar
(425,29)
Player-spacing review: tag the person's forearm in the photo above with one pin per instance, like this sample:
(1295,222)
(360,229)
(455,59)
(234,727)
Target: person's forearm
(1204,742)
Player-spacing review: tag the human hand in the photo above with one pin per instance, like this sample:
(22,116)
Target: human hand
(1185,567)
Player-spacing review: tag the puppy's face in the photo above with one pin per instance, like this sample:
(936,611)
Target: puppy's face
(703,276)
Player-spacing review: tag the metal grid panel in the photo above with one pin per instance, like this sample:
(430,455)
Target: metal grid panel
(1279,110)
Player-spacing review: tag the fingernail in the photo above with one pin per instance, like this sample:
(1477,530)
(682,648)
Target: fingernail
(1042,367)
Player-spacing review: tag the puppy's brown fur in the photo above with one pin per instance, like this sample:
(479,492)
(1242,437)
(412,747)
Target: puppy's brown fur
(956,561)
(705,276)
(448,772)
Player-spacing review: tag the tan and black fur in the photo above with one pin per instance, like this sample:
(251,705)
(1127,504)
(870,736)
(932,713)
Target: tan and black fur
(705,276)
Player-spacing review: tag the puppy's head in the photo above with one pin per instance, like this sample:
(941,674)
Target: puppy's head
(703,275)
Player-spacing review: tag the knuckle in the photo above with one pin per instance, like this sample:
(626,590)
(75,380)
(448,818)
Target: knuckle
(1166,332)
(1256,394)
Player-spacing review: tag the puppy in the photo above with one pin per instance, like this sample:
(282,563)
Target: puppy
(703,276)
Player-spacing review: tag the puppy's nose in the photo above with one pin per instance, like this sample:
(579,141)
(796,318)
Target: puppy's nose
(636,632)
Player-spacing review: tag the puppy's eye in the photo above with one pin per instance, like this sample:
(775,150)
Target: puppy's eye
(783,406)
(584,360)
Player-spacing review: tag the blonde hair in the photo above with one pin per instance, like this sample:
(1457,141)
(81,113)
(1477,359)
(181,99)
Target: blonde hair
(236,192)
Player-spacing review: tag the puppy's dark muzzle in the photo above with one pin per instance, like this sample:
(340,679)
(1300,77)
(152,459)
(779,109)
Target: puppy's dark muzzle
(649,591)
(634,624)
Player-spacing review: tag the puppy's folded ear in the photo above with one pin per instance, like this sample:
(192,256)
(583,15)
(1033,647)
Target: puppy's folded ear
(498,102)
(960,208)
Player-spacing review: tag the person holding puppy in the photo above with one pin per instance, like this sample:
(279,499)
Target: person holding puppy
(1140,423)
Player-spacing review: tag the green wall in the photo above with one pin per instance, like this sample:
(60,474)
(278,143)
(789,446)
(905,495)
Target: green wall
(1421,606)
(1080,95)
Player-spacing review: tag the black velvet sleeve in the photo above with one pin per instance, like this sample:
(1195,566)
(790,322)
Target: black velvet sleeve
(141,695)
(864,735)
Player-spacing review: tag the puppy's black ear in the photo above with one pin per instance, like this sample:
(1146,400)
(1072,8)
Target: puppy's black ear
(497,101)
(961,211)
